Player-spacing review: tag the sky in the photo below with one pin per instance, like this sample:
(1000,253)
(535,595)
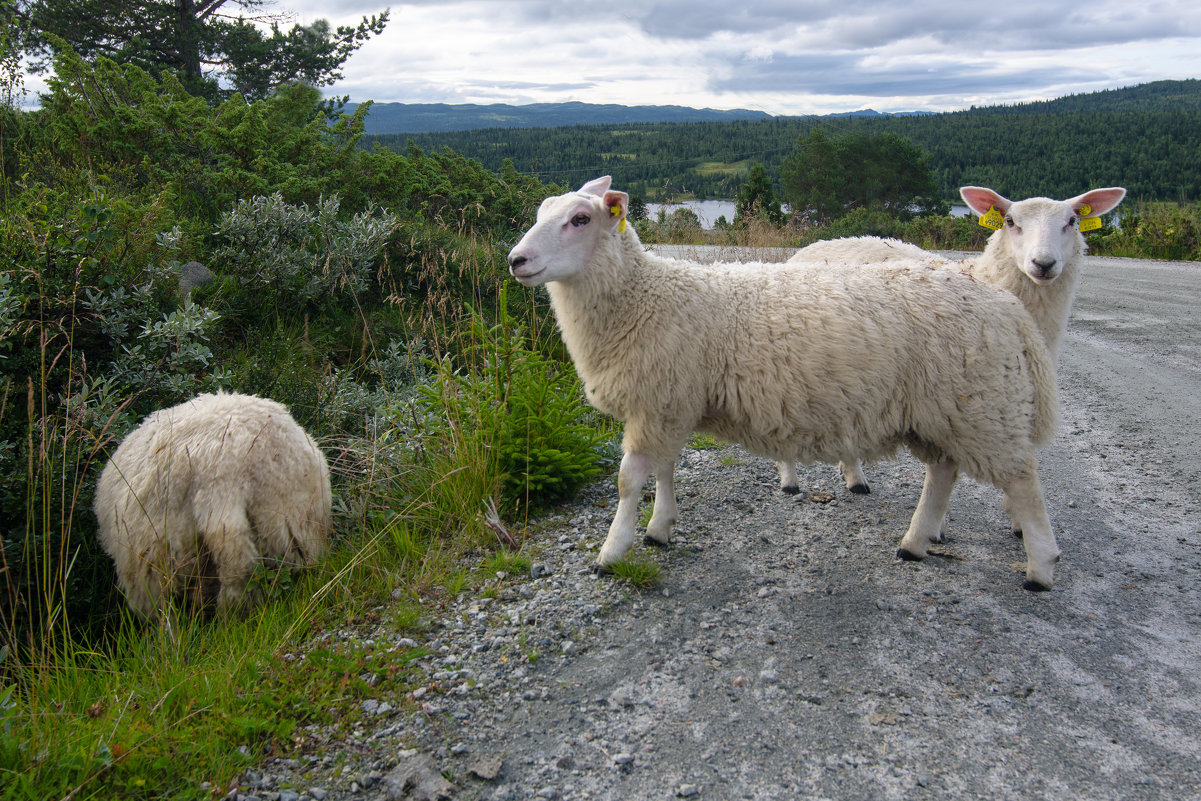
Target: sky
(779,56)
(785,57)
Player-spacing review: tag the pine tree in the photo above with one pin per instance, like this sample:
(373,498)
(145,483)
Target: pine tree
(758,199)
(213,46)
(828,177)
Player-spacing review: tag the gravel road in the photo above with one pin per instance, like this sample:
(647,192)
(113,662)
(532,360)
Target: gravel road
(786,652)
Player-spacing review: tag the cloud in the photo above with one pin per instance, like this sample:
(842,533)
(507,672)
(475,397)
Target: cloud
(847,75)
(783,56)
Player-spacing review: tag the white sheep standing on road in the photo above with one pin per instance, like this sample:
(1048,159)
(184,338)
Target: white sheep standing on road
(795,362)
(1036,252)
(214,484)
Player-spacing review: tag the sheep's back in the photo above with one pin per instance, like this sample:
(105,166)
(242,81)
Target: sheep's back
(831,361)
(199,465)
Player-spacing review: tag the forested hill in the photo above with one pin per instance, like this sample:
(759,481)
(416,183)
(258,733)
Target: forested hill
(1155,96)
(1146,138)
(384,118)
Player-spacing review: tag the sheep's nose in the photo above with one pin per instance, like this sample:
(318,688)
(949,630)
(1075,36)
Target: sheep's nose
(1044,265)
(516,261)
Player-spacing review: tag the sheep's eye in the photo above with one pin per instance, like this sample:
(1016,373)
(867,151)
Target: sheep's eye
(1071,221)
(580,219)
(1009,221)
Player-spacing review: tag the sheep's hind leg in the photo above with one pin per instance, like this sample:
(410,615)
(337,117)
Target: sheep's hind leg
(926,525)
(665,513)
(1030,513)
(230,541)
(852,475)
(635,469)
(789,483)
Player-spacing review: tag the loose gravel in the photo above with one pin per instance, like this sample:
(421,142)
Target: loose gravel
(785,651)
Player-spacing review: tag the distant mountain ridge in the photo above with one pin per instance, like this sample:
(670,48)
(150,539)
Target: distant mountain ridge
(420,118)
(387,118)
(427,118)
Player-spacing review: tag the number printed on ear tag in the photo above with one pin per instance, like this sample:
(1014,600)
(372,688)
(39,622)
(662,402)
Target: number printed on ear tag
(992,219)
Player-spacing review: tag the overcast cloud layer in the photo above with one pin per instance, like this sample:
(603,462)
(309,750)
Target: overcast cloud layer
(779,56)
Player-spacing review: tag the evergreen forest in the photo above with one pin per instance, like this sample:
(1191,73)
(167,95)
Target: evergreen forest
(1146,138)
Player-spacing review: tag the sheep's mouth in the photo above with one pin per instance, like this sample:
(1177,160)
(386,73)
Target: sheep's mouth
(524,275)
(1041,279)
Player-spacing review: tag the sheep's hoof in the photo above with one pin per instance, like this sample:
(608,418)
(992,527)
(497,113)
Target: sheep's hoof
(649,540)
(1035,586)
(938,538)
(1017,532)
(861,489)
(906,555)
(791,489)
(602,570)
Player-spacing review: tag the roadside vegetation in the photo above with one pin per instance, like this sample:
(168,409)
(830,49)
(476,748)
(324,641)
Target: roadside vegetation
(363,289)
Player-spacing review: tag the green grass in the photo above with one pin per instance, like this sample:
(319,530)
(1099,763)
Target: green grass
(638,571)
(705,442)
(723,167)
(173,709)
(514,563)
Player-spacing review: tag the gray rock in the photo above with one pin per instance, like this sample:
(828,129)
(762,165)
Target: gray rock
(193,275)
(417,777)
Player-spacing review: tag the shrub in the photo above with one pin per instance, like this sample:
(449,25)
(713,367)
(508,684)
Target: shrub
(947,233)
(288,255)
(1153,230)
(522,412)
(863,221)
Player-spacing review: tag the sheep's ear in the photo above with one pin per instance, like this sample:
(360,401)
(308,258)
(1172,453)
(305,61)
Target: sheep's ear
(597,186)
(618,203)
(980,199)
(1098,201)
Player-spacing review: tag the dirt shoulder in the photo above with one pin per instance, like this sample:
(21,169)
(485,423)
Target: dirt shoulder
(787,653)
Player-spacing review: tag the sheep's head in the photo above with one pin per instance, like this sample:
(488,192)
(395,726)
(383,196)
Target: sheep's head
(569,228)
(1042,235)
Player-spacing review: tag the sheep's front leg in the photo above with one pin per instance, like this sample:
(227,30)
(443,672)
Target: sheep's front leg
(635,469)
(789,483)
(665,513)
(1029,511)
(926,525)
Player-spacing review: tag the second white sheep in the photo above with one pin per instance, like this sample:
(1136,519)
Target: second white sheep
(1036,252)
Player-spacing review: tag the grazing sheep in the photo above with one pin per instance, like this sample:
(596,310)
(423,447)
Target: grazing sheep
(1036,253)
(795,362)
(214,484)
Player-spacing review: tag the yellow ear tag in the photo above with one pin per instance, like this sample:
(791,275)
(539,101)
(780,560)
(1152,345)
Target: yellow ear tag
(1090,223)
(992,219)
(616,212)
(1084,210)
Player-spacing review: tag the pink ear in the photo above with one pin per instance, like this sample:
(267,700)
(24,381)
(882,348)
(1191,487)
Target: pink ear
(617,203)
(1099,201)
(597,186)
(980,199)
